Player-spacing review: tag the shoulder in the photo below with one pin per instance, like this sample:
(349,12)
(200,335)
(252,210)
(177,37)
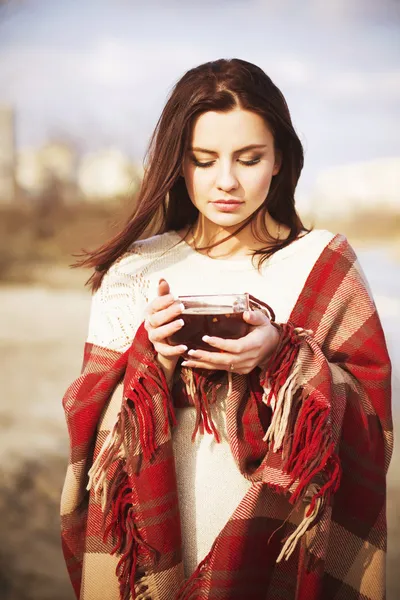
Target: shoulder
(127,269)
(339,249)
(126,274)
(304,251)
(335,290)
(318,239)
(154,245)
(118,305)
(140,254)
(332,261)
(337,266)
(325,244)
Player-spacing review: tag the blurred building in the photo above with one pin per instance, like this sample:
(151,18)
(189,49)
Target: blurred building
(107,174)
(364,187)
(61,160)
(31,173)
(7,155)
(38,169)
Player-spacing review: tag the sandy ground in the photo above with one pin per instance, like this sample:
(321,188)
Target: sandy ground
(41,346)
(41,342)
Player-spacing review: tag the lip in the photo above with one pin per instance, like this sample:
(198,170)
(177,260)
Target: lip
(229,201)
(227,205)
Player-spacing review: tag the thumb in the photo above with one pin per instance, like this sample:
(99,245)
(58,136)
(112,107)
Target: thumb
(163,287)
(255,317)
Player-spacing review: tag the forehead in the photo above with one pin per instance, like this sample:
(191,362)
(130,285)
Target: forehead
(236,128)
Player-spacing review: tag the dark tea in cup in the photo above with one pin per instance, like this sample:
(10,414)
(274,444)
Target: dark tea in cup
(219,315)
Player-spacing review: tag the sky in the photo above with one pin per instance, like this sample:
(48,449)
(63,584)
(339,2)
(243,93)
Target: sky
(98,72)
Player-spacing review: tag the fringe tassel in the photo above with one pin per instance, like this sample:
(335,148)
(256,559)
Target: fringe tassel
(291,542)
(195,388)
(196,582)
(115,446)
(282,361)
(143,403)
(129,543)
(281,410)
(137,410)
(280,382)
(310,450)
(159,377)
(109,452)
(135,421)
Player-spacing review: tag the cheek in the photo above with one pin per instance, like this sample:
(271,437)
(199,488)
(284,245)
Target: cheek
(200,182)
(259,183)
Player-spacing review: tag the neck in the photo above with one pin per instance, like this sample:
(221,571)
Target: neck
(205,233)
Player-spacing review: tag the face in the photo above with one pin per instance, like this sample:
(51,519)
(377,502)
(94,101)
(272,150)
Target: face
(231,157)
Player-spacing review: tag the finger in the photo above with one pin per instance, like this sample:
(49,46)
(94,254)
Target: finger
(227,345)
(194,364)
(163,287)
(162,317)
(159,334)
(160,303)
(170,351)
(217,359)
(255,317)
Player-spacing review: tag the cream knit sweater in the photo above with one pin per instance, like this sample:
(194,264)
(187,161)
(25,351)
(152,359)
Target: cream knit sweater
(209,483)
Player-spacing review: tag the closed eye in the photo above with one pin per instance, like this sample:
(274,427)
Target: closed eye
(204,165)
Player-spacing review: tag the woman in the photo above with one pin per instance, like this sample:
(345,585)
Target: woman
(254,471)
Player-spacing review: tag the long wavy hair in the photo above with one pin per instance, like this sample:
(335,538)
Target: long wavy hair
(163,203)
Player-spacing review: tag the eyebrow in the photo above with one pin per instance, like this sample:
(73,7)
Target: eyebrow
(249,147)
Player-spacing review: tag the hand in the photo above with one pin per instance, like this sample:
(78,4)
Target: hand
(161,322)
(244,354)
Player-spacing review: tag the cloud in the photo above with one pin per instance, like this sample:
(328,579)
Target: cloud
(292,70)
(361,86)
(118,61)
(333,12)
(105,70)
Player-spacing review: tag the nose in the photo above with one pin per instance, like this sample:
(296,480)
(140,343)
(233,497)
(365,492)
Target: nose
(226,178)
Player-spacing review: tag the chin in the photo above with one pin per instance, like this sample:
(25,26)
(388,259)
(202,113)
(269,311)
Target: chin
(226,223)
(226,219)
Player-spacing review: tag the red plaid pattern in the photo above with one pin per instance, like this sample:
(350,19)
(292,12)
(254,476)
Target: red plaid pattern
(313,433)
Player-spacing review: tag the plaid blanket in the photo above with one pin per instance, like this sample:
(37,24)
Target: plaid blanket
(312,432)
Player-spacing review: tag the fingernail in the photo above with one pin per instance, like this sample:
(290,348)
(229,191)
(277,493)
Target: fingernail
(183,347)
(192,352)
(161,280)
(181,307)
(181,322)
(184,363)
(206,338)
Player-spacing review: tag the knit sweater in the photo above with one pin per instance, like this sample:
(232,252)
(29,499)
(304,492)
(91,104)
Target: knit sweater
(206,502)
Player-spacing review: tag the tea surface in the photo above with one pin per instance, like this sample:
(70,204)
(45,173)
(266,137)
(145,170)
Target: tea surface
(200,321)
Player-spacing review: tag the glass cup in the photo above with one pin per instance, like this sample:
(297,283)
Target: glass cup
(219,315)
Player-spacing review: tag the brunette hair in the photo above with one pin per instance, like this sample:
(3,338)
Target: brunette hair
(163,203)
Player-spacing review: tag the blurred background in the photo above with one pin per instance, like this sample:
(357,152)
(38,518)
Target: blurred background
(82,84)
